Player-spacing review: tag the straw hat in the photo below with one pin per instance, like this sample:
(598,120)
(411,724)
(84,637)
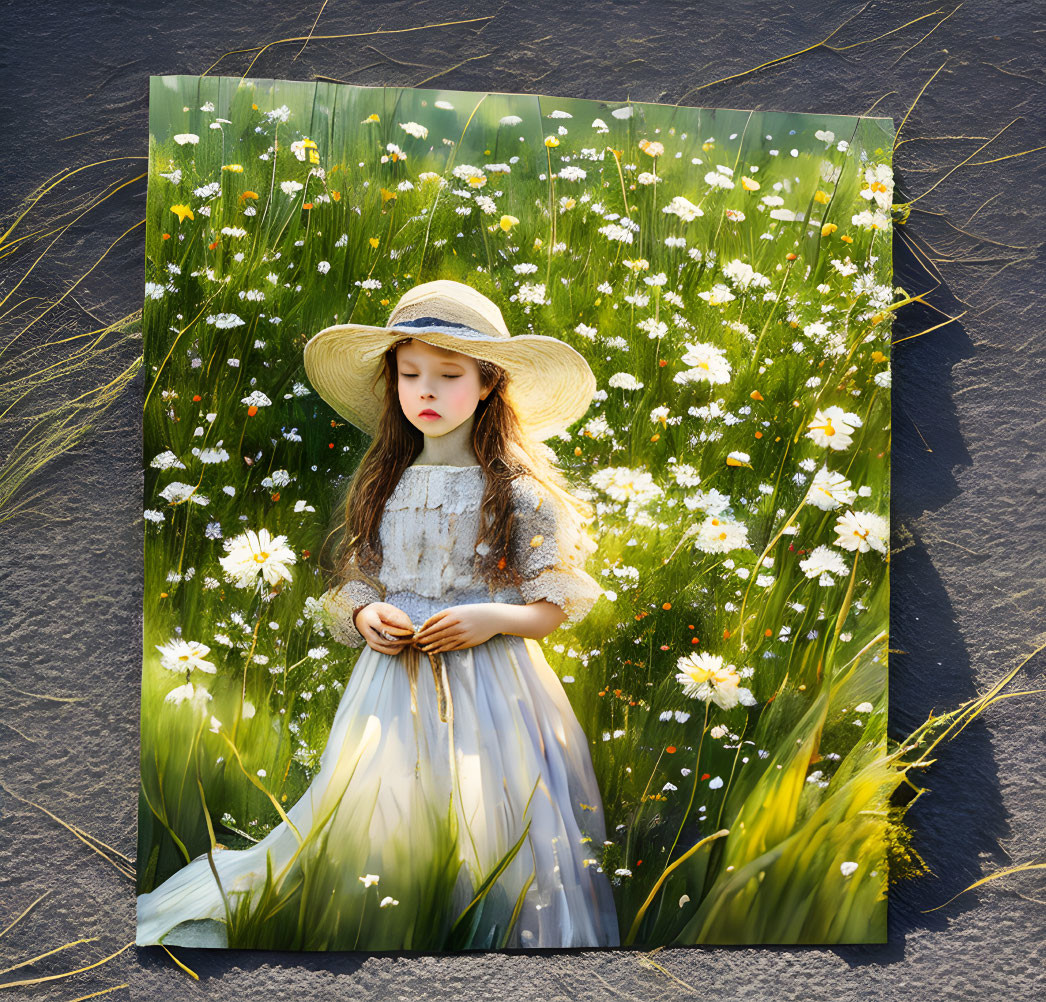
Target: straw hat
(551,384)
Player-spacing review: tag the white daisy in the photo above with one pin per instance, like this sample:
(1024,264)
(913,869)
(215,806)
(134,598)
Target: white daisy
(829,490)
(862,531)
(185,655)
(823,562)
(253,554)
(706,677)
(832,427)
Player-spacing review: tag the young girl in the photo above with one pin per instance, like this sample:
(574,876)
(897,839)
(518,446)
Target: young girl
(455,805)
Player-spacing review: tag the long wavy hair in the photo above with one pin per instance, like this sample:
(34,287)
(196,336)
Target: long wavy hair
(505,453)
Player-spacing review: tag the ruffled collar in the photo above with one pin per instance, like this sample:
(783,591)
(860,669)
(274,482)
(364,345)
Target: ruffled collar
(440,466)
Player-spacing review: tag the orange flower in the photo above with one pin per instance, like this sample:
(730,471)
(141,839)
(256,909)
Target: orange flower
(252,410)
(671,749)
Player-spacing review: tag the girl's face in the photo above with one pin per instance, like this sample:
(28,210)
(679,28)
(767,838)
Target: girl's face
(438,388)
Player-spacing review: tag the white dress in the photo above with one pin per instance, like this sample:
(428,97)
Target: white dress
(431,806)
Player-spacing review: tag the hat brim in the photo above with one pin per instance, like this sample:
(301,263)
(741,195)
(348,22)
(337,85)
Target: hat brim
(551,384)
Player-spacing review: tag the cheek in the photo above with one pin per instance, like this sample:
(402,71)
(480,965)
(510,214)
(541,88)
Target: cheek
(460,395)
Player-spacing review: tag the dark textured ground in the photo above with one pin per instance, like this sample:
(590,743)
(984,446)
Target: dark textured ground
(968,485)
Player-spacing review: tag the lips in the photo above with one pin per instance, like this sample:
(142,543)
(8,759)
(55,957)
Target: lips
(428,413)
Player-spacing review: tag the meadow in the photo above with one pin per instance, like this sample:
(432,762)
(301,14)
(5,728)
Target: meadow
(728,276)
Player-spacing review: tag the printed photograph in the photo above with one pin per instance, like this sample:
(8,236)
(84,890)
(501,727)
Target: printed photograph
(516,522)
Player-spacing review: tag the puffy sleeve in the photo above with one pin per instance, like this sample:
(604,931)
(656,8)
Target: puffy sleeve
(337,605)
(549,553)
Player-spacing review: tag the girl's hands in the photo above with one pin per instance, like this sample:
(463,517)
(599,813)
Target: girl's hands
(386,628)
(459,627)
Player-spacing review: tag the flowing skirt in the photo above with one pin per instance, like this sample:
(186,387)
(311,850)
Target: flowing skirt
(405,837)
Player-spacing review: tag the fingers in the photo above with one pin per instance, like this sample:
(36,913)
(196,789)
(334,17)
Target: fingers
(382,643)
(396,617)
(432,623)
(383,647)
(449,642)
(399,632)
(440,636)
(436,627)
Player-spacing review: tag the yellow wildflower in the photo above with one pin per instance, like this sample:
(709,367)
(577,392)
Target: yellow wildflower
(182,211)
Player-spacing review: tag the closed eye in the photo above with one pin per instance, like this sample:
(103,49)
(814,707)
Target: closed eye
(446,375)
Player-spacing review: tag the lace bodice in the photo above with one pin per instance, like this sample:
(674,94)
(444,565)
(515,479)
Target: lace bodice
(428,536)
